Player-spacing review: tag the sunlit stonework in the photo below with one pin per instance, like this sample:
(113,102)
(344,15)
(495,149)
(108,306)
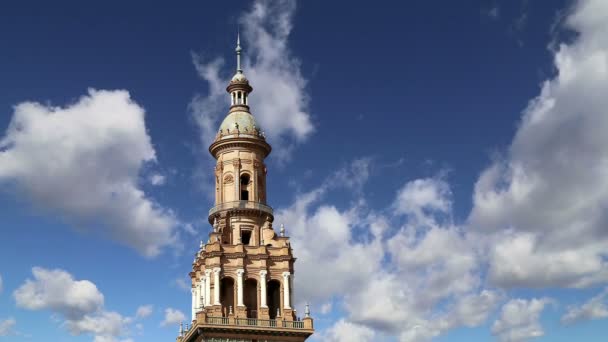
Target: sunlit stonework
(242,278)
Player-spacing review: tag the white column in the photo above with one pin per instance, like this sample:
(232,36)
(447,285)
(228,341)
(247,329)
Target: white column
(263,289)
(286,296)
(216,285)
(239,286)
(193,303)
(292,280)
(197,297)
(207,287)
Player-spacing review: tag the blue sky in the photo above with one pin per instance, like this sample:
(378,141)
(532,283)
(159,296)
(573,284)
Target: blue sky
(440,168)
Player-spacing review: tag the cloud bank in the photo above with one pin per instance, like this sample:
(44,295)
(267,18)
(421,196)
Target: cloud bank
(78,302)
(83,161)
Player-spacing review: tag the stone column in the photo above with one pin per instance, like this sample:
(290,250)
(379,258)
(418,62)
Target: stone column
(201,294)
(207,287)
(286,295)
(239,286)
(216,285)
(196,297)
(263,288)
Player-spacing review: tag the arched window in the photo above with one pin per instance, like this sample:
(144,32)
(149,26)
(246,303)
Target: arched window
(244,187)
(227,295)
(274,298)
(251,297)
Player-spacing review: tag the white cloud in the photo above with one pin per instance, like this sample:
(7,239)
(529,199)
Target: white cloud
(157,179)
(56,290)
(182,284)
(425,267)
(83,162)
(594,308)
(279,101)
(78,301)
(326,308)
(519,320)
(551,190)
(105,325)
(144,311)
(421,196)
(6,326)
(173,317)
(344,331)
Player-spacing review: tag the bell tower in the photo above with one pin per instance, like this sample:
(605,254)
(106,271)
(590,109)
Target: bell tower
(242,278)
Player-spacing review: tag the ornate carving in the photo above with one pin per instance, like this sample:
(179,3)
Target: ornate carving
(228,179)
(236,162)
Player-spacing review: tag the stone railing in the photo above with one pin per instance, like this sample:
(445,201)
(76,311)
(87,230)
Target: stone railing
(241,205)
(254,322)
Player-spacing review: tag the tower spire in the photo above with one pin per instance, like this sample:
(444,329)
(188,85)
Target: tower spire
(238,53)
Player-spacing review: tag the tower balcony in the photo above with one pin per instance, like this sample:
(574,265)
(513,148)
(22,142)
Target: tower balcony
(205,326)
(241,206)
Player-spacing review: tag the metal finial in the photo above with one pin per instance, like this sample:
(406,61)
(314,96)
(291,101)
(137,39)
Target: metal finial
(282,229)
(181,328)
(238,53)
(307,311)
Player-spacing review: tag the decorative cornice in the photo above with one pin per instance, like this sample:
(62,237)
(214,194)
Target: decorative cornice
(233,141)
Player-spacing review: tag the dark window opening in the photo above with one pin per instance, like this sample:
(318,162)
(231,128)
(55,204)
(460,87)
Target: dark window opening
(245,236)
(227,295)
(244,184)
(250,294)
(274,298)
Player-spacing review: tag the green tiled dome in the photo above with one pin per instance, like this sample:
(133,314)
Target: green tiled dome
(246,122)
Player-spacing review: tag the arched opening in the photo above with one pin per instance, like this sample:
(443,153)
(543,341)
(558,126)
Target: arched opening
(244,185)
(274,298)
(251,297)
(227,295)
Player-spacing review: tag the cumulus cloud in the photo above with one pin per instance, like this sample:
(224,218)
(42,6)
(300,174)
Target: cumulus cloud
(172,317)
(83,162)
(56,290)
(344,331)
(106,326)
(78,301)
(551,189)
(411,252)
(594,308)
(519,320)
(144,311)
(280,100)
(6,326)
(157,179)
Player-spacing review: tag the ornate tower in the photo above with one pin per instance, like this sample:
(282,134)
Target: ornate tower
(242,278)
